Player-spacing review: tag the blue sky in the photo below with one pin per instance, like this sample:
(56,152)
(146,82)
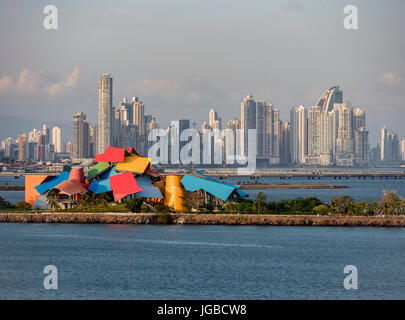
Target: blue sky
(184,57)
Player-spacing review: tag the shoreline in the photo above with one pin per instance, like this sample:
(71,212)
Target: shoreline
(291,186)
(203,219)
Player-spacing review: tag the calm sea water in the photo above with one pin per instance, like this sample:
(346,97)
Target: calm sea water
(200,262)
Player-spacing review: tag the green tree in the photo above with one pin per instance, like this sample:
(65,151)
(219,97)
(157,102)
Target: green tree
(231,207)
(4,204)
(391,202)
(321,210)
(22,205)
(364,208)
(134,204)
(341,203)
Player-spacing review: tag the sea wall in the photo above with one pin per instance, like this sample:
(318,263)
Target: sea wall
(202,219)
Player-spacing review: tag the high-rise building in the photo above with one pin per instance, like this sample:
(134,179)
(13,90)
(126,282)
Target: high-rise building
(32,151)
(359,119)
(271,134)
(248,121)
(298,136)
(47,133)
(314,136)
(80,136)
(214,120)
(328,136)
(285,155)
(69,147)
(361,147)
(139,121)
(390,149)
(329,98)
(22,147)
(261,128)
(344,141)
(104,126)
(57,139)
(402,149)
(360,137)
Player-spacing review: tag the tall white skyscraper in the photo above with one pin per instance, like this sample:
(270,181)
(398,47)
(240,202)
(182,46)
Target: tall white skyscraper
(139,121)
(344,141)
(104,126)
(298,141)
(57,139)
(328,136)
(402,149)
(214,119)
(384,143)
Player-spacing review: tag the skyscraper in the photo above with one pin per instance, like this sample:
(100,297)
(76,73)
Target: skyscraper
(359,119)
(344,141)
(214,120)
(248,121)
(402,149)
(139,121)
(104,126)
(271,134)
(57,139)
(314,136)
(328,136)
(285,155)
(361,147)
(261,128)
(329,98)
(360,137)
(22,147)
(80,136)
(298,137)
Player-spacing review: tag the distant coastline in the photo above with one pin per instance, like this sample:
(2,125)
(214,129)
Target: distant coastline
(260,186)
(204,219)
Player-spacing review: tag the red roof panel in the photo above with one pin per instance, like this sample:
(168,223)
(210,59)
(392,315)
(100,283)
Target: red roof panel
(111,154)
(123,185)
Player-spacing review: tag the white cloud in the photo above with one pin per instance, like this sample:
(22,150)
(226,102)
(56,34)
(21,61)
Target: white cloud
(60,87)
(6,83)
(29,80)
(390,78)
(148,87)
(191,91)
(35,81)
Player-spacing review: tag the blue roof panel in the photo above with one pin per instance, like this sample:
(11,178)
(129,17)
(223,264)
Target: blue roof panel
(103,185)
(53,182)
(217,189)
(148,190)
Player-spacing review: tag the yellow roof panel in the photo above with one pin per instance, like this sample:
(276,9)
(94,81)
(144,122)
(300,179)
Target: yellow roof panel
(134,163)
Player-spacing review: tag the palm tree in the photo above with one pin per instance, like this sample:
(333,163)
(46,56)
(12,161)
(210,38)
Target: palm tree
(86,201)
(52,200)
(259,202)
(364,207)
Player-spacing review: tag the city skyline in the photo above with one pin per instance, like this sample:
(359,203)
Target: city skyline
(331,132)
(200,66)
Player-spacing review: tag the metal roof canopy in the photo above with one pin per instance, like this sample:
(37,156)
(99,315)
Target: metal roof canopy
(52,182)
(219,190)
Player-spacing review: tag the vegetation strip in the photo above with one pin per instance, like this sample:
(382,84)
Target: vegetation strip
(203,219)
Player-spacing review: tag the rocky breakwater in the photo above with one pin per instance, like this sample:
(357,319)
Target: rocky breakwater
(203,219)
